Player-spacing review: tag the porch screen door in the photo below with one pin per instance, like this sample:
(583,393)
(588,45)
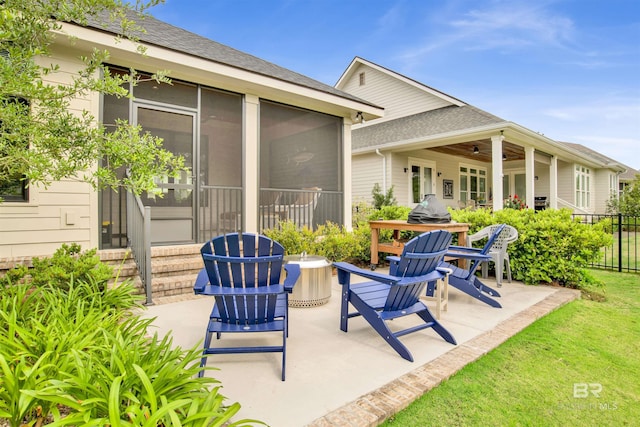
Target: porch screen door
(421,180)
(173,210)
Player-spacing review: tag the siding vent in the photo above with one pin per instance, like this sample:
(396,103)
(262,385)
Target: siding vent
(361,75)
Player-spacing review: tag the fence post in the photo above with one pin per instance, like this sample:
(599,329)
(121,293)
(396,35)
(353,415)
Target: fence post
(619,242)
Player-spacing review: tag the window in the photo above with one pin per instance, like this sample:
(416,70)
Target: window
(583,187)
(361,77)
(473,183)
(14,187)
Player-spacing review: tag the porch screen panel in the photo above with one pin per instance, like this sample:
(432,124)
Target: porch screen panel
(220,151)
(301,149)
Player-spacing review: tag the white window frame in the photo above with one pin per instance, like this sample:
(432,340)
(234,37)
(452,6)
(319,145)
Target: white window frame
(467,176)
(582,184)
(422,164)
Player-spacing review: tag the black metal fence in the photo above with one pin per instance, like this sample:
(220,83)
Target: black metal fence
(624,252)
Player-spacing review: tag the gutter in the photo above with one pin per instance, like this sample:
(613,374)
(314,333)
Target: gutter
(384,170)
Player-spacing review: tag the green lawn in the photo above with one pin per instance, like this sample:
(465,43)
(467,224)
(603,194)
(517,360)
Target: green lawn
(577,366)
(630,252)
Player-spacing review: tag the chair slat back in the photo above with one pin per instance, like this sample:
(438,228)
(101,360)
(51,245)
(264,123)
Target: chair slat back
(244,261)
(420,256)
(491,241)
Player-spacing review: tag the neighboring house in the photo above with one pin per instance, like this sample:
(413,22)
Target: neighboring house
(264,144)
(430,142)
(607,185)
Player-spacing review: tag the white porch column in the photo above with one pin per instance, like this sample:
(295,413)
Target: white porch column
(250,180)
(553,183)
(496,167)
(530,175)
(346,175)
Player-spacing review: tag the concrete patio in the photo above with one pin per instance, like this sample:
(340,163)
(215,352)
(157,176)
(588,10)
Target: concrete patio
(355,378)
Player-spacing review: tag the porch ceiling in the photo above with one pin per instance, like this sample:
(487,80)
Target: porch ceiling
(465,149)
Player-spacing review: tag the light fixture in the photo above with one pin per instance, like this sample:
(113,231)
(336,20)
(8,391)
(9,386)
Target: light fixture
(476,150)
(359,117)
(405,170)
(439,173)
(504,157)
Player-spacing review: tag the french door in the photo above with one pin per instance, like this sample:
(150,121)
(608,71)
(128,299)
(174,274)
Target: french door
(421,180)
(173,207)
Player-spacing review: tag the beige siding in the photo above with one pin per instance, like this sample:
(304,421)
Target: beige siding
(64,212)
(566,182)
(600,190)
(398,98)
(542,184)
(366,171)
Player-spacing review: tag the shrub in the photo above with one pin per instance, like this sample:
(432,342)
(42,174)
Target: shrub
(70,357)
(381,199)
(552,247)
(69,263)
(329,240)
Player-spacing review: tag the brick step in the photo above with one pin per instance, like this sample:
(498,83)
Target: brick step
(173,285)
(174,268)
(161,266)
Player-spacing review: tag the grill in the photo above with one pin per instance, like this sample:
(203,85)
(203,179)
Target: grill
(540,203)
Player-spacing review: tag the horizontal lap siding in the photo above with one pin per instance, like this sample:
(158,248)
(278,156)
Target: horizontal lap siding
(399,99)
(65,211)
(366,171)
(566,181)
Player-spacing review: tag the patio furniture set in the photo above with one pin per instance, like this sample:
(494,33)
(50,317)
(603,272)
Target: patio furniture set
(244,273)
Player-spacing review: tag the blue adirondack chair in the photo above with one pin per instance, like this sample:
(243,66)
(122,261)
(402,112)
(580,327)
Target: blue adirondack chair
(242,272)
(390,296)
(466,280)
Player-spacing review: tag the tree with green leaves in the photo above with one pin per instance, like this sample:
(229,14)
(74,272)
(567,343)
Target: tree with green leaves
(380,198)
(628,203)
(41,139)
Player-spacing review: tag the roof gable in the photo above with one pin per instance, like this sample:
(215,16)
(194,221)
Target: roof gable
(399,95)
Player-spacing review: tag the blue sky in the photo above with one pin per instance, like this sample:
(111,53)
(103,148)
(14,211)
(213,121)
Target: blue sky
(569,69)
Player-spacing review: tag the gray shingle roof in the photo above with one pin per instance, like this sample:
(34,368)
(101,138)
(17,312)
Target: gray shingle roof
(165,35)
(422,125)
(599,157)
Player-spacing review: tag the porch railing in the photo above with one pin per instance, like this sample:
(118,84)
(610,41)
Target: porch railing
(305,208)
(624,253)
(139,240)
(220,211)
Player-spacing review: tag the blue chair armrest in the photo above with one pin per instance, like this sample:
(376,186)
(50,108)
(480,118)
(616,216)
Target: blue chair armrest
(466,253)
(293,273)
(394,261)
(344,268)
(201,281)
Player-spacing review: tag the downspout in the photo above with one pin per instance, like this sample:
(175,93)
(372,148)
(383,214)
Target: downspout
(384,170)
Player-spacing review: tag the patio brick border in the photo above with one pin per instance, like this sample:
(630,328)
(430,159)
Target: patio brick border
(372,409)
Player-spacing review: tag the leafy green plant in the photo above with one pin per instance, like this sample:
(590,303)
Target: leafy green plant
(77,354)
(381,198)
(294,239)
(67,264)
(552,247)
(329,240)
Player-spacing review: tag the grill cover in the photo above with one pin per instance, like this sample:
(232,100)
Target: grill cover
(429,210)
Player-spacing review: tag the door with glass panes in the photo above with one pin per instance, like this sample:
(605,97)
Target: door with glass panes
(421,180)
(173,206)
